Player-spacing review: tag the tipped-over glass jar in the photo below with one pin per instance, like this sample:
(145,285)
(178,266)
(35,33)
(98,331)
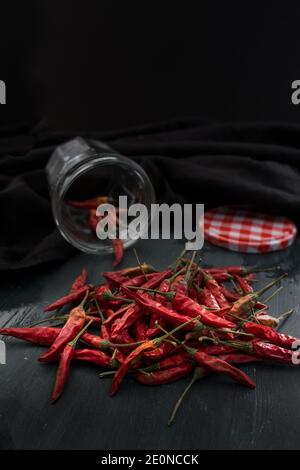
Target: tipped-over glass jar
(82,170)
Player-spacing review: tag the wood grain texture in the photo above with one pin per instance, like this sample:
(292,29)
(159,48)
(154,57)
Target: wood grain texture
(217,414)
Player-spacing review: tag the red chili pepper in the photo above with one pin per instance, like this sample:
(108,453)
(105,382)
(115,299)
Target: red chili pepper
(184,304)
(42,335)
(104,301)
(156,307)
(212,285)
(264,350)
(111,318)
(105,332)
(154,330)
(68,299)
(62,372)
(267,333)
(172,361)
(64,365)
(164,376)
(79,282)
(74,324)
(118,248)
(243,306)
(220,276)
(157,279)
(268,320)
(229,294)
(128,319)
(137,353)
(244,284)
(139,280)
(114,279)
(135,270)
(239,358)
(214,364)
(216,349)
(141,329)
(162,351)
(207,298)
(96,341)
(88,203)
(91,355)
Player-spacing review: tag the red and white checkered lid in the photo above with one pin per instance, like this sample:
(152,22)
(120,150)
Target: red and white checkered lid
(240,229)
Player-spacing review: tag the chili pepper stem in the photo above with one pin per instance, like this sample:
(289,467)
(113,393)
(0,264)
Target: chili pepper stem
(107,374)
(168,295)
(171,333)
(171,279)
(81,305)
(198,374)
(285,314)
(139,263)
(177,261)
(108,295)
(262,270)
(64,317)
(273,295)
(268,286)
(188,271)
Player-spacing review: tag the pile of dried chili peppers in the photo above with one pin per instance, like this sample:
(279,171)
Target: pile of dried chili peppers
(89,207)
(160,326)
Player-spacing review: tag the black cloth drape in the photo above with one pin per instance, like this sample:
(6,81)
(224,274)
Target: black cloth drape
(187,160)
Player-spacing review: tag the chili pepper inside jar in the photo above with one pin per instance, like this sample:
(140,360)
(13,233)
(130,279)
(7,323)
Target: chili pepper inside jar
(82,175)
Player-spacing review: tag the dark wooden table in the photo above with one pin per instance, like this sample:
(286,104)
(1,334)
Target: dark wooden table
(217,414)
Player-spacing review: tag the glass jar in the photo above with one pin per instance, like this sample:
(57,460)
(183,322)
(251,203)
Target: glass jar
(80,170)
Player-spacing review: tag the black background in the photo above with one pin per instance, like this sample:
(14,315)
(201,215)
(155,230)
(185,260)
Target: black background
(97,65)
(109,64)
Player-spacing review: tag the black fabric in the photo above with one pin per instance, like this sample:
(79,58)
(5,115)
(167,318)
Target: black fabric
(188,160)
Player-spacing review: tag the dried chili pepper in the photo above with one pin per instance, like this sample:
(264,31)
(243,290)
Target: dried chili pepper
(214,364)
(244,284)
(93,356)
(212,285)
(88,203)
(242,306)
(43,335)
(229,295)
(79,282)
(74,324)
(239,358)
(161,351)
(126,321)
(168,362)
(141,329)
(118,248)
(207,298)
(157,308)
(184,304)
(64,365)
(267,333)
(264,350)
(165,376)
(268,320)
(137,353)
(68,299)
